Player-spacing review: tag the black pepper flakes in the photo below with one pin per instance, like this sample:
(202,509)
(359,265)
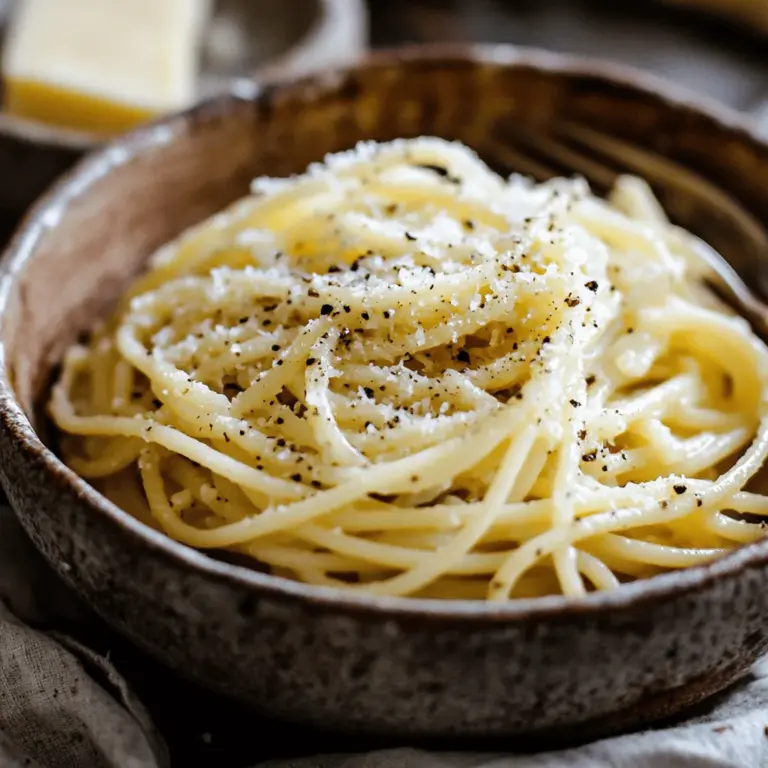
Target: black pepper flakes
(438,169)
(680,489)
(463,356)
(592,285)
(326,309)
(591,456)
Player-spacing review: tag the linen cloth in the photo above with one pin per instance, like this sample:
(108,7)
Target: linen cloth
(65,704)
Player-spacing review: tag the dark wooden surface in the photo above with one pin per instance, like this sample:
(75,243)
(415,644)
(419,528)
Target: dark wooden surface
(706,55)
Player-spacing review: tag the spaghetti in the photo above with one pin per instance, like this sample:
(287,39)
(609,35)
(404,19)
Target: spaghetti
(402,374)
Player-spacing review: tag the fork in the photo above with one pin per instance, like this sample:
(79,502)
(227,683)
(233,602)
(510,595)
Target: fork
(601,159)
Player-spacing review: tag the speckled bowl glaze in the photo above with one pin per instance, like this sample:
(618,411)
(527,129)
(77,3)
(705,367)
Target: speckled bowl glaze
(549,668)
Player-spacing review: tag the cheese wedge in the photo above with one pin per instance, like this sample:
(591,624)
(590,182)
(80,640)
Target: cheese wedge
(102,65)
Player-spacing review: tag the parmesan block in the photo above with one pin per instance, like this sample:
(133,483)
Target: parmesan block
(102,65)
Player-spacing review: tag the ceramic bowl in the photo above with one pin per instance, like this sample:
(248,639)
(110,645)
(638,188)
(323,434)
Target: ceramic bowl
(552,668)
(244,39)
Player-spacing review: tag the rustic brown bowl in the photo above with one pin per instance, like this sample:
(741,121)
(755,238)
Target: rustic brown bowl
(552,667)
(245,38)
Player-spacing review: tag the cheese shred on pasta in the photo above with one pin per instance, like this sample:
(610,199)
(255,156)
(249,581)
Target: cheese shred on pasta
(402,374)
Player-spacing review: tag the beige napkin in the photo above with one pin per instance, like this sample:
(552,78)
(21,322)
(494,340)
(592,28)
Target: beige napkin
(61,704)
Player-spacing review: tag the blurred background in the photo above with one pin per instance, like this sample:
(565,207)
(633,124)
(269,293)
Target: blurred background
(717,47)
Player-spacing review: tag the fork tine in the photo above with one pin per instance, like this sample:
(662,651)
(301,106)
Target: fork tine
(672,175)
(507,157)
(596,173)
(723,275)
(720,274)
(744,238)
(629,158)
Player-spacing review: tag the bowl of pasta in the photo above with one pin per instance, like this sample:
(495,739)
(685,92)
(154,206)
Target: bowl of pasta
(318,395)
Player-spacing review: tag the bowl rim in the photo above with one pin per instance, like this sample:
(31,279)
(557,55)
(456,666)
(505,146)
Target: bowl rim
(324,25)
(52,206)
